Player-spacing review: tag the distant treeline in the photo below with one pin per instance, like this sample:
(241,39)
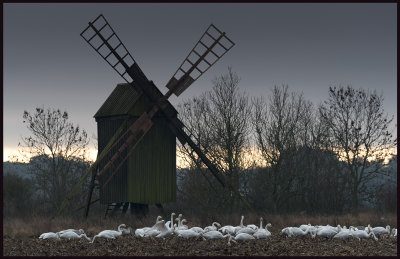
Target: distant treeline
(36,189)
(199,193)
(312,183)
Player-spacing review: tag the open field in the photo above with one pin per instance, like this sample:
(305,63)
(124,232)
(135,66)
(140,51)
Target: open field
(132,246)
(20,237)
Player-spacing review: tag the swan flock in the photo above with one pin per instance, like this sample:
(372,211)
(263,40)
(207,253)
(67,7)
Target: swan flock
(162,229)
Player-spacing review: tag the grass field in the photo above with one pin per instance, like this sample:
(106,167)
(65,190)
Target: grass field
(128,245)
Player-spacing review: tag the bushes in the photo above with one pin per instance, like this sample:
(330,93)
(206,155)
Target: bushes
(36,193)
(318,186)
(385,197)
(18,195)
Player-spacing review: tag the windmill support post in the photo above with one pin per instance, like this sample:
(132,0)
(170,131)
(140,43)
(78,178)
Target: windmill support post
(92,170)
(125,207)
(91,188)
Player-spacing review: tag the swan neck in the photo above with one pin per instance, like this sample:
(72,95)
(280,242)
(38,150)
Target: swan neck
(179,221)
(172,222)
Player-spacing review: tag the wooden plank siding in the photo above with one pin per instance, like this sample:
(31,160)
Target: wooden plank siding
(152,166)
(149,174)
(116,189)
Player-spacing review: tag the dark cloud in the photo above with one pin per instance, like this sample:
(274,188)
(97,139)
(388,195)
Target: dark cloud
(308,46)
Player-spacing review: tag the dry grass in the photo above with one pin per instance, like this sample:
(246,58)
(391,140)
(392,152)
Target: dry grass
(36,225)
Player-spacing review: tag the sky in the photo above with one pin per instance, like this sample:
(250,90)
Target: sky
(308,46)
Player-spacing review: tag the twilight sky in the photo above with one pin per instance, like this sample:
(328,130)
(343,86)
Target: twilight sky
(307,46)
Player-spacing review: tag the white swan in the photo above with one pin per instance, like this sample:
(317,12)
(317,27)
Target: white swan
(338,228)
(158,219)
(165,231)
(127,231)
(295,231)
(345,229)
(104,234)
(262,233)
(140,232)
(213,227)
(182,226)
(227,229)
(286,232)
(213,234)
(327,228)
(253,226)
(45,234)
(237,228)
(120,227)
(343,235)
(171,223)
(326,232)
(394,232)
(50,235)
(72,235)
(243,237)
(304,227)
(363,234)
(188,233)
(197,229)
(110,234)
(261,221)
(246,230)
(380,230)
(150,232)
(77,231)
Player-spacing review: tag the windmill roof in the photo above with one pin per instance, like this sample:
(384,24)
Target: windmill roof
(123,98)
(119,101)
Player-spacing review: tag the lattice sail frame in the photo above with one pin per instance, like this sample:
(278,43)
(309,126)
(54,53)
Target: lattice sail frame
(103,39)
(212,45)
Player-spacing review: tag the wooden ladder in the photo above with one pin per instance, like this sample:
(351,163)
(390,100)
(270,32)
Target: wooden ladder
(112,207)
(115,206)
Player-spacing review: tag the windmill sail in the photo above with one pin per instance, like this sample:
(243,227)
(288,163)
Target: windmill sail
(212,45)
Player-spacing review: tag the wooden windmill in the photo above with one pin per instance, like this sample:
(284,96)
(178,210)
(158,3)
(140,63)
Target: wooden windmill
(114,155)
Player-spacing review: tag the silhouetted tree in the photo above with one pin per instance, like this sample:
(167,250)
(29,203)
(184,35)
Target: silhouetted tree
(57,152)
(359,133)
(278,129)
(219,121)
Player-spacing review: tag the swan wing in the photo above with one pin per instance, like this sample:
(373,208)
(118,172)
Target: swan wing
(243,237)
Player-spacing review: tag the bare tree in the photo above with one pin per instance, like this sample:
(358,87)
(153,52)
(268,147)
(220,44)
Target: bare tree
(220,122)
(359,134)
(278,130)
(57,152)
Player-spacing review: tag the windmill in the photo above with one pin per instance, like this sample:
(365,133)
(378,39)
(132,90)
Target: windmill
(212,45)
